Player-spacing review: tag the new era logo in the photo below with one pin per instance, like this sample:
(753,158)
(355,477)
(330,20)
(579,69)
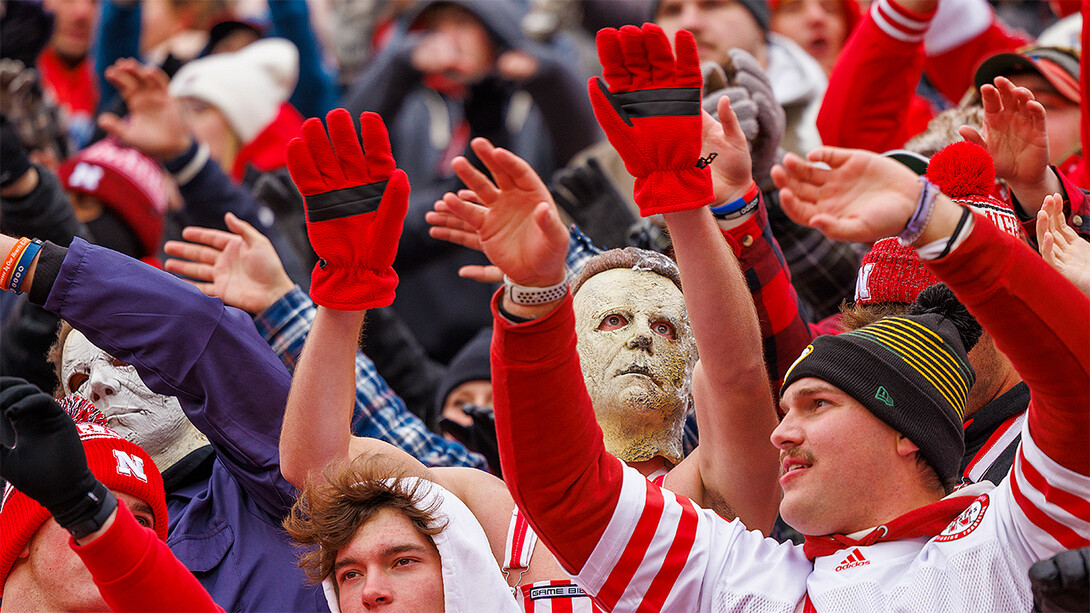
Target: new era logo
(854,559)
(884,396)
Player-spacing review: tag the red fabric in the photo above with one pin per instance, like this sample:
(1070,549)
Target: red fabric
(783,330)
(1038,320)
(356,249)
(871,101)
(75,88)
(952,72)
(926,521)
(136,571)
(1076,203)
(659,141)
(1081,175)
(269,150)
(891,272)
(551,449)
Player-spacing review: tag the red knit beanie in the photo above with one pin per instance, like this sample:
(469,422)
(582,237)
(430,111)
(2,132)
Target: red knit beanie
(126,181)
(119,464)
(891,272)
(965,172)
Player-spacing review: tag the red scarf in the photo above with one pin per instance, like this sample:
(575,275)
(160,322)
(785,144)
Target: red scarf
(927,521)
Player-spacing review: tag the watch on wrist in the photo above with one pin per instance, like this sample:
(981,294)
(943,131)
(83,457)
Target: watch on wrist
(531,296)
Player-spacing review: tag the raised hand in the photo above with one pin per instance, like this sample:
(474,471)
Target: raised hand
(516,222)
(356,202)
(1013,133)
(651,115)
(731,170)
(446,226)
(860,196)
(154,125)
(1060,246)
(239,267)
(47,462)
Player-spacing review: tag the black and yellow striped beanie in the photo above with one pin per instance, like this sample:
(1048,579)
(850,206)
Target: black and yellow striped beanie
(911,371)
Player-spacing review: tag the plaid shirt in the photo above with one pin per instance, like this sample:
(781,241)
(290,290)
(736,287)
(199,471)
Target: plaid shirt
(823,270)
(379,413)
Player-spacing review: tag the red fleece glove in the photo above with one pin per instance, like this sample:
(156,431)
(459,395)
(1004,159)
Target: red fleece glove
(356,203)
(651,115)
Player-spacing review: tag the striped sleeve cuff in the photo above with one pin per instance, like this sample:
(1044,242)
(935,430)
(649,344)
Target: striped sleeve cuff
(900,23)
(1052,498)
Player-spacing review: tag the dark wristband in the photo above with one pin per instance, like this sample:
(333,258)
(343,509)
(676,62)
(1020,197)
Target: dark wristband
(89,514)
(50,259)
(511,317)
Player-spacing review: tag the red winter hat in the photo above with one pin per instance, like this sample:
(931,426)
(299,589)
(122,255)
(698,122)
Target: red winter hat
(965,172)
(119,464)
(891,272)
(126,181)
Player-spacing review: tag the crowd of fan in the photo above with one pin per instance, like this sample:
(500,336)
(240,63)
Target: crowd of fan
(544,305)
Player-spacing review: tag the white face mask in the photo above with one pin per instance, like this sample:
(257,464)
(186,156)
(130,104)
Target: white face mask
(152,421)
(637,351)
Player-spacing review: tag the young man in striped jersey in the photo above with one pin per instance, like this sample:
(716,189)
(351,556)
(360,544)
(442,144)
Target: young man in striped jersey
(861,479)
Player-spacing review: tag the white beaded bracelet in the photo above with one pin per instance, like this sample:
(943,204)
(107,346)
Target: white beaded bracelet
(529,296)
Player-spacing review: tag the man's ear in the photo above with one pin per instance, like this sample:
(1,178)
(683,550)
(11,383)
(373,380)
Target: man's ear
(906,447)
(25,553)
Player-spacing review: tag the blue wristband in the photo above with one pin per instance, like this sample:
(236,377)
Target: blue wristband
(23,265)
(748,201)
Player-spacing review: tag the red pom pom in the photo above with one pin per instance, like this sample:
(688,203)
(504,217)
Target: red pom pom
(962,169)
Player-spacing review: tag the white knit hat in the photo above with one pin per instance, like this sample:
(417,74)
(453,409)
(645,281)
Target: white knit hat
(247,86)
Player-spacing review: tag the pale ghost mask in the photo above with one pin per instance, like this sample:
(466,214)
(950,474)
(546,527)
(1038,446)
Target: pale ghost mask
(152,421)
(637,351)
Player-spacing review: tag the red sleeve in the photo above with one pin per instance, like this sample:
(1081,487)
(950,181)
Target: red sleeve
(871,99)
(551,449)
(951,72)
(1040,321)
(135,571)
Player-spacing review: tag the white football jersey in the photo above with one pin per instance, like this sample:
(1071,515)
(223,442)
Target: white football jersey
(661,552)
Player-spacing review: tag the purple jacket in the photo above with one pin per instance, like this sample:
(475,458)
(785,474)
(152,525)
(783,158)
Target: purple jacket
(225,504)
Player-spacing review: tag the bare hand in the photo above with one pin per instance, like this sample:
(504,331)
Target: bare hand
(1061,247)
(239,267)
(1013,133)
(861,197)
(732,168)
(448,227)
(154,125)
(516,222)
(517,65)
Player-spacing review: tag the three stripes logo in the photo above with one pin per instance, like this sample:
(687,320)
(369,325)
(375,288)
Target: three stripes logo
(854,560)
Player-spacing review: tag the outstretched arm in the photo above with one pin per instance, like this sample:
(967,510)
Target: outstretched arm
(1037,318)
(734,408)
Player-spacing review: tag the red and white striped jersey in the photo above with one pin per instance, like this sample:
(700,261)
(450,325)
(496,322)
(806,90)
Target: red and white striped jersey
(661,552)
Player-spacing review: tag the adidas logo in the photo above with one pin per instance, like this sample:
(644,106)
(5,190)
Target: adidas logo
(854,559)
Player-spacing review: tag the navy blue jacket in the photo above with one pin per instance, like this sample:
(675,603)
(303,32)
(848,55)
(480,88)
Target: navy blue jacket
(225,511)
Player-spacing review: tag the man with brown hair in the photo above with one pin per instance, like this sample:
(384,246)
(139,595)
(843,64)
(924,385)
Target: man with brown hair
(396,542)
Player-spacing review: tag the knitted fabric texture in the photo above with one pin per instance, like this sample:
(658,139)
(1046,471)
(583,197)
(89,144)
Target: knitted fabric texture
(891,272)
(965,172)
(125,181)
(247,86)
(912,372)
(120,465)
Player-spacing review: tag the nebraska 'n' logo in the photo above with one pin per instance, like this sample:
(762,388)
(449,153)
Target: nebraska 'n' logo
(966,522)
(130,465)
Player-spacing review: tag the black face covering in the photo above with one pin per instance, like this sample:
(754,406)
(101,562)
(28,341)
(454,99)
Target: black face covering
(480,436)
(109,230)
